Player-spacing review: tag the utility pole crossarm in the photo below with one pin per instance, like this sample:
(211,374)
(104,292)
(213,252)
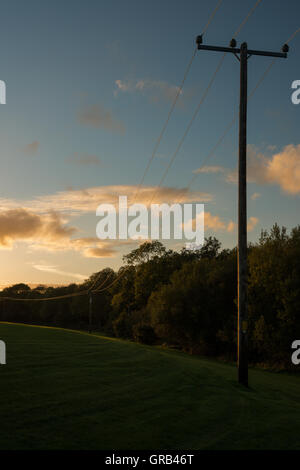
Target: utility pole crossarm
(237,50)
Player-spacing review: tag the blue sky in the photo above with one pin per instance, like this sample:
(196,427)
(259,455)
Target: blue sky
(69,126)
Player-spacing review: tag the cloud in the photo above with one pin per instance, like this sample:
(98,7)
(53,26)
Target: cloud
(123,86)
(157,90)
(31,149)
(44,229)
(84,159)
(255,196)
(78,201)
(256,167)
(92,247)
(217,224)
(231,226)
(21,224)
(56,270)
(99,118)
(99,252)
(211,222)
(252,222)
(282,169)
(210,169)
(49,232)
(89,247)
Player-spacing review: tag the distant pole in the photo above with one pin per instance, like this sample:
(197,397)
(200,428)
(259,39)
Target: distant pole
(242,54)
(90,312)
(242,224)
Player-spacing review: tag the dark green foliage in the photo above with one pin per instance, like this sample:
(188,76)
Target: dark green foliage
(274,295)
(144,333)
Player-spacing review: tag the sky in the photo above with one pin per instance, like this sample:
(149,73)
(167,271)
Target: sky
(89,86)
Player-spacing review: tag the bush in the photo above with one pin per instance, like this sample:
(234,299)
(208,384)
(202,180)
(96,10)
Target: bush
(144,334)
(122,326)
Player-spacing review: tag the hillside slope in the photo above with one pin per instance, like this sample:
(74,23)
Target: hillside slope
(67,390)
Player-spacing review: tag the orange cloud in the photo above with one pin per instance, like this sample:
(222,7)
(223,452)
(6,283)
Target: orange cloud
(21,224)
(283,169)
(231,226)
(252,222)
(212,222)
(49,232)
(87,200)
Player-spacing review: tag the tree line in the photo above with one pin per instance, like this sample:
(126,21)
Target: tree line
(186,299)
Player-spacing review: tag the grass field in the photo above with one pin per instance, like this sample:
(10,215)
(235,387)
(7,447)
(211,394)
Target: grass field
(67,390)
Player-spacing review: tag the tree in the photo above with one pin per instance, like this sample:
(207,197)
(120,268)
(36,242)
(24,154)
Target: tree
(145,252)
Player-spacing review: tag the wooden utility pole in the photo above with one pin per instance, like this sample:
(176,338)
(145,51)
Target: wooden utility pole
(90,312)
(242,54)
(242,223)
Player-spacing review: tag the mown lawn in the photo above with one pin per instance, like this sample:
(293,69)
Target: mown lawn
(68,390)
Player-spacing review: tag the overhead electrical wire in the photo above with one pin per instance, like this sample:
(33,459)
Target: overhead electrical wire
(200,104)
(188,128)
(247,18)
(179,92)
(58,297)
(293,35)
(227,129)
(213,14)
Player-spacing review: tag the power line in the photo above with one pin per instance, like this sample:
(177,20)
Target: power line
(119,276)
(200,103)
(227,129)
(247,18)
(95,282)
(188,127)
(102,283)
(179,92)
(293,35)
(212,16)
(59,297)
